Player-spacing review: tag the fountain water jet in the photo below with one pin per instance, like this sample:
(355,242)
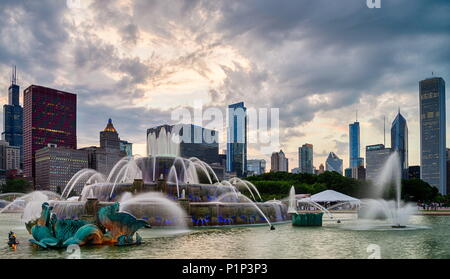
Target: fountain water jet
(79,179)
(316,205)
(155,207)
(395,212)
(292,201)
(247,200)
(157,187)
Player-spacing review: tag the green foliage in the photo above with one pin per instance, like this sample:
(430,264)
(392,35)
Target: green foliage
(16,186)
(278,184)
(419,190)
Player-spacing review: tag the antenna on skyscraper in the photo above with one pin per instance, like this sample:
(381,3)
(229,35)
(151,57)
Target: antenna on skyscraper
(14,75)
(384,130)
(356,115)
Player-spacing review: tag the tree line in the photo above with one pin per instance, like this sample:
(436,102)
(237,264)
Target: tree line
(276,185)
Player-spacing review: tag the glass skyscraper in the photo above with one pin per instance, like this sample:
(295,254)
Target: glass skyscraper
(256,167)
(355,145)
(237,139)
(399,142)
(13,117)
(432,133)
(306,157)
(334,163)
(376,157)
(126,147)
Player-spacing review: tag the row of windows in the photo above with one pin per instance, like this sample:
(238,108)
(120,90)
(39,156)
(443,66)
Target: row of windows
(52,130)
(429,95)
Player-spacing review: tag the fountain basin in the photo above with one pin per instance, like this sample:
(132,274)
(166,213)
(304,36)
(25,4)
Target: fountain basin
(398,227)
(307,219)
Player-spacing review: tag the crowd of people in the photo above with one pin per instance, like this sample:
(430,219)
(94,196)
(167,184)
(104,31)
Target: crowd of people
(431,205)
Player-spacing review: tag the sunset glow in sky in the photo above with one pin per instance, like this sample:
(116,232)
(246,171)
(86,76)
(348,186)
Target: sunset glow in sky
(319,61)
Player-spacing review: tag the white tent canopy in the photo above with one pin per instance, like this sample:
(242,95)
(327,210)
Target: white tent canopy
(332,196)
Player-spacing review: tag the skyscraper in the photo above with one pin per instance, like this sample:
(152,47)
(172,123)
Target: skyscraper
(399,141)
(50,117)
(432,133)
(109,138)
(334,163)
(13,117)
(237,139)
(126,147)
(279,162)
(376,157)
(305,158)
(9,156)
(256,167)
(105,157)
(321,169)
(355,146)
(55,166)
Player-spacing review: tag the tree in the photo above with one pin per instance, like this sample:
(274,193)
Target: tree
(278,184)
(418,190)
(16,186)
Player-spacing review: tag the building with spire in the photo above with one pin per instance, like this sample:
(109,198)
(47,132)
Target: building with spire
(399,141)
(109,138)
(13,117)
(104,158)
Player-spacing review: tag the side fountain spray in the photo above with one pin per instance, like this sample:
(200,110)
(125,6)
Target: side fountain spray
(292,209)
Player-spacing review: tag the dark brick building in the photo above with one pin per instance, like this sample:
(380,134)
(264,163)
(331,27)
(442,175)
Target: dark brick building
(50,117)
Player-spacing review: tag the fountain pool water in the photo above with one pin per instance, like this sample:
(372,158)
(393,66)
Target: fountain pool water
(170,193)
(394,214)
(22,201)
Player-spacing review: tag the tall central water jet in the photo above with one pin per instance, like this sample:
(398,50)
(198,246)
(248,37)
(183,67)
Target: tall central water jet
(396,212)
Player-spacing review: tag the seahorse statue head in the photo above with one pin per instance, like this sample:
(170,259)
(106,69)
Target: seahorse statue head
(44,220)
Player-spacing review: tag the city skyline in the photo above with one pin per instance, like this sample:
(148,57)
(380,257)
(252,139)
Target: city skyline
(124,75)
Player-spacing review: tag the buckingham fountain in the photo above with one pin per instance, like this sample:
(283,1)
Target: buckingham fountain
(170,191)
(166,192)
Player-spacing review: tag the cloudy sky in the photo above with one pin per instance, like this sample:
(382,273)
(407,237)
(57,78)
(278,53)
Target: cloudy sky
(317,60)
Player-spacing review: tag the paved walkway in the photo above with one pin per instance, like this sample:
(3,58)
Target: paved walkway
(443,212)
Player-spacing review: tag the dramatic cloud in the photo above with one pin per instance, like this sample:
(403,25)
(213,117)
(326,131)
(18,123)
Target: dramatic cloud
(319,61)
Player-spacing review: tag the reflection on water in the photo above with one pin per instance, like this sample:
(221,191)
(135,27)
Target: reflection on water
(330,241)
